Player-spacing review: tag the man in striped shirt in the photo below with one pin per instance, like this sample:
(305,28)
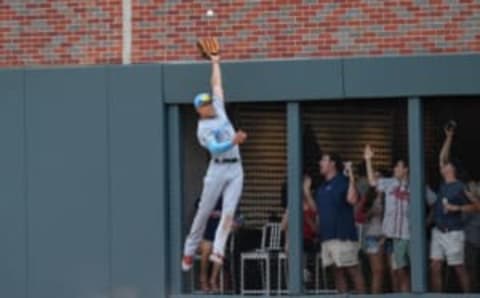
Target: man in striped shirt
(395,221)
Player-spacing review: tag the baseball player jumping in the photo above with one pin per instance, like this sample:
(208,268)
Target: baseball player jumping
(224,176)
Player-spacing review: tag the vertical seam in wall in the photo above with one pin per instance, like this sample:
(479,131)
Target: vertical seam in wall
(126,31)
(109,182)
(25,182)
(166,201)
(166,191)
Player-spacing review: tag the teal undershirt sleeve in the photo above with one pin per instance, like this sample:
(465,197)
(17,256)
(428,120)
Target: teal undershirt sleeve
(216,148)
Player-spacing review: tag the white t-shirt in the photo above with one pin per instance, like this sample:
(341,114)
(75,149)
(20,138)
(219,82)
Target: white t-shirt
(219,129)
(397,200)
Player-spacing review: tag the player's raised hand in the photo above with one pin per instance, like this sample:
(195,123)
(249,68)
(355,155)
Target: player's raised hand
(215,58)
(240,137)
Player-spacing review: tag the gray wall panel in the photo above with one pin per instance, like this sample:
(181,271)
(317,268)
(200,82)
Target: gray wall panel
(12,187)
(175,196)
(417,76)
(81,206)
(183,81)
(317,79)
(258,80)
(68,194)
(137,175)
(195,159)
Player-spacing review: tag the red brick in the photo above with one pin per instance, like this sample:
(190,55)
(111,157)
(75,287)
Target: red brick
(290,26)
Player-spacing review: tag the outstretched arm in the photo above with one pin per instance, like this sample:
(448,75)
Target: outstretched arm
(447,144)
(368,155)
(216,79)
(352,195)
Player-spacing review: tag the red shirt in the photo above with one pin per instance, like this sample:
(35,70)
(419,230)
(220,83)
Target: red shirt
(309,231)
(360,212)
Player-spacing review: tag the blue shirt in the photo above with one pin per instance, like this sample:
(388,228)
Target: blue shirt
(336,214)
(455,194)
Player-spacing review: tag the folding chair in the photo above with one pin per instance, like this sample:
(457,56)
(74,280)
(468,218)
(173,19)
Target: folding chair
(270,244)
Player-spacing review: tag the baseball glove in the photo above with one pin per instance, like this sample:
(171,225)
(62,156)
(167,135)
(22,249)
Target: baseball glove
(208,47)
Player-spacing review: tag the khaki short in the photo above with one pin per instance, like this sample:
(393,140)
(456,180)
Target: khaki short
(448,245)
(340,253)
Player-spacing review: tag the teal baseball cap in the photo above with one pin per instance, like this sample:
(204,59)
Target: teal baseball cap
(202,99)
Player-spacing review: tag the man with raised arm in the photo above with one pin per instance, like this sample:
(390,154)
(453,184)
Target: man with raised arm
(448,237)
(395,226)
(224,177)
(335,199)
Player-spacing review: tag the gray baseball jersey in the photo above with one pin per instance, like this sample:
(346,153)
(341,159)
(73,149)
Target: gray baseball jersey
(219,129)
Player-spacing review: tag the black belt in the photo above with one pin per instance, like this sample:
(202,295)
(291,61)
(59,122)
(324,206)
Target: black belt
(226,160)
(446,230)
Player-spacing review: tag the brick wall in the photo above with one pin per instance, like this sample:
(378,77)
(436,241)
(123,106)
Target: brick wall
(34,32)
